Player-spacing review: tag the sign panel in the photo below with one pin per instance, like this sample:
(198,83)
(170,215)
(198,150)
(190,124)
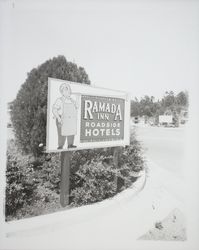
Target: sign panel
(165,118)
(80,116)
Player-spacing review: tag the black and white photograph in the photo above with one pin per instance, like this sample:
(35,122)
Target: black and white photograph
(99,124)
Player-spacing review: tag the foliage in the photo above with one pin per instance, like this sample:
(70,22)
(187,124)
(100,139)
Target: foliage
(182,99)
(33,183)
(19,179)
(29,109)
(29,181)
(170,104)
(95,180)
(132,156)
(96,183)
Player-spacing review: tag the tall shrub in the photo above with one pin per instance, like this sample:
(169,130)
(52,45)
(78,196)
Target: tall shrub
(29,109)
(20,182)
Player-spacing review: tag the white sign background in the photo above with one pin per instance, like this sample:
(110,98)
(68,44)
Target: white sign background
(76,90)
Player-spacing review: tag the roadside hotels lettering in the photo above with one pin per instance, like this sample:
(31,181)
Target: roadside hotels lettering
(102,118)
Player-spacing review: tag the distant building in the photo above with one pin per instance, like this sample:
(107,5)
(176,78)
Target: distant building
(165,120)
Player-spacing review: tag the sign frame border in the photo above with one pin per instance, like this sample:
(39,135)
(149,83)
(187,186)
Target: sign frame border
(127,117)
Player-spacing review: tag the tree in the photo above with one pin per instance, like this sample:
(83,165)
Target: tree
(135,107)
(182,99)
(169,99)
(147,105)
(170,104)
(29,110)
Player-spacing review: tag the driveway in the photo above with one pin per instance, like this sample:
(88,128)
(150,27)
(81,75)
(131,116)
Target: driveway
(164,146)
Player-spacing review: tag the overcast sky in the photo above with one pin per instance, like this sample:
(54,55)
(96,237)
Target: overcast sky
(143,47)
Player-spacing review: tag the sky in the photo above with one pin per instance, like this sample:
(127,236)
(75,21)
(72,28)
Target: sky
(141,47)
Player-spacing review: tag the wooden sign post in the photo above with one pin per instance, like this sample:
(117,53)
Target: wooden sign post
(65,178)
(116,156)
(116,153)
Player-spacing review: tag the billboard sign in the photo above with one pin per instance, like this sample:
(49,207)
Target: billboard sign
(81,116)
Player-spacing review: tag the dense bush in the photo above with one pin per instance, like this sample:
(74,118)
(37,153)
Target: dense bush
(33,183)
(95,183)
(19,179)
(29,180)
(95,180)
(132,156)
(29,109)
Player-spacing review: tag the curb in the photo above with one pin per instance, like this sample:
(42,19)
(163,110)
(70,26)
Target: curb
(47,223)
(132,191)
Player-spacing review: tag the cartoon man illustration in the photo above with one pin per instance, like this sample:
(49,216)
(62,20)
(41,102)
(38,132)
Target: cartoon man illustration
(65,112)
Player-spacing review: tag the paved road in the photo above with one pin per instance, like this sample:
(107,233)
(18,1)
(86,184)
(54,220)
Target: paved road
(164,146)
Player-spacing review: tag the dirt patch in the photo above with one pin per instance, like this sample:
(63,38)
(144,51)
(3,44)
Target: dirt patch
(172,228)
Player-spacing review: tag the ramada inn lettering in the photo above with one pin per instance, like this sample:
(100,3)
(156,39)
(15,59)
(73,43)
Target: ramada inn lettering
(102,119)
(101,107)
